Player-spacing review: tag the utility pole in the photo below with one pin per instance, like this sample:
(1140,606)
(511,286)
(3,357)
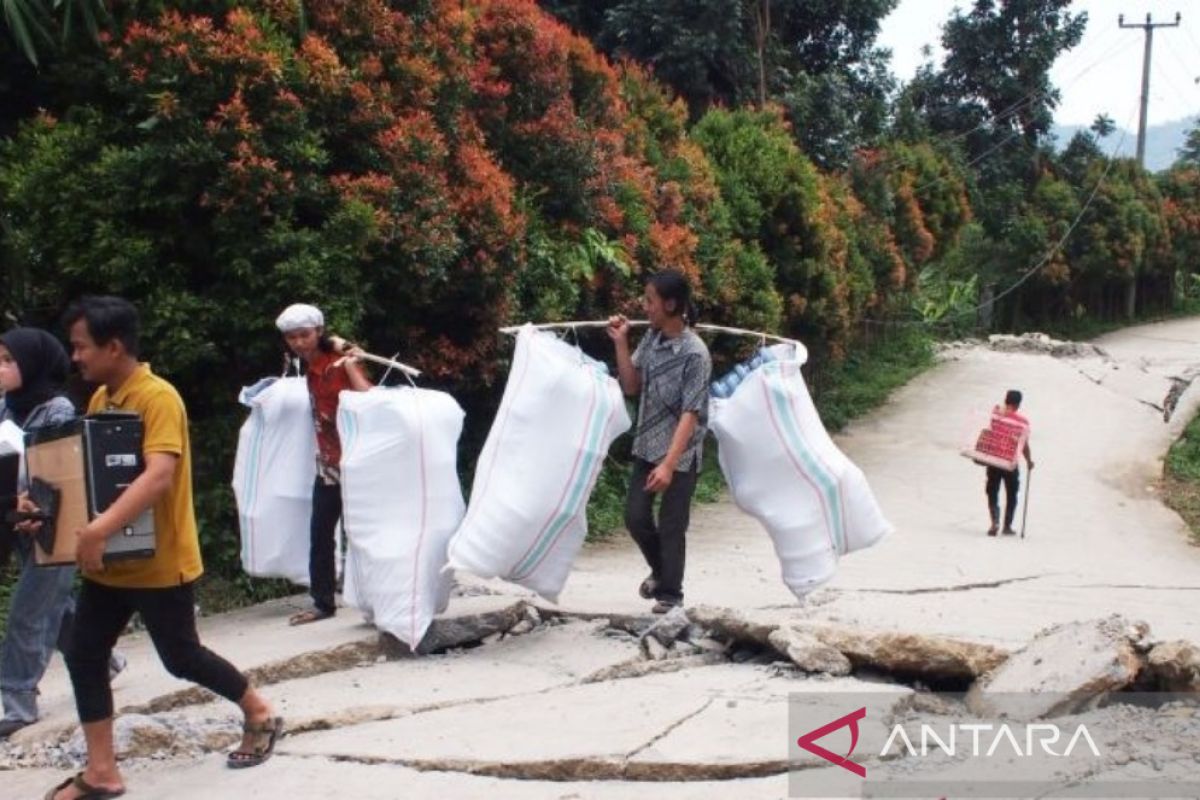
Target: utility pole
(1148,27)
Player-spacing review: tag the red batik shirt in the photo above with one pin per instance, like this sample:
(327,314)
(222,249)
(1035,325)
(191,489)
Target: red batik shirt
(325,383)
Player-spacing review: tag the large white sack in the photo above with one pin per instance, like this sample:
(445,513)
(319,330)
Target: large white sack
(401,503)
(784,469)
(273,479)
(527,517)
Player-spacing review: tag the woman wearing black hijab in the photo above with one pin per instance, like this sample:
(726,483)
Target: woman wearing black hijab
(33,370)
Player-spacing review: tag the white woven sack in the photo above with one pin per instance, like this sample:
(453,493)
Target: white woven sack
(526,519)
(273,477)
(783,468)
(401,503)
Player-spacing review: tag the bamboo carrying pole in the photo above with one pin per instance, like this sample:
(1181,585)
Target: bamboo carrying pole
(412,372)
(513,329)
(801,350)
(343,347)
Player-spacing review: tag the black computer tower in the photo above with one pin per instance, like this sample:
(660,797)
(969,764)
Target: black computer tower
(90,461)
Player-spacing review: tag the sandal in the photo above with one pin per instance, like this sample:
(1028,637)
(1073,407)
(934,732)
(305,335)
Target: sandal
(312,615)
(87,791)
(270,730)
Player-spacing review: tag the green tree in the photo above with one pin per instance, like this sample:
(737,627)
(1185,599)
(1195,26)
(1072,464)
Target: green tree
(1180,187)
(839,111)
(803,221)
(817,58)
(1189,154)
(1103,126)
(994,88)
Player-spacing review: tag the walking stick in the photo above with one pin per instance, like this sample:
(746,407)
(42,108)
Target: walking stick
(1025,513)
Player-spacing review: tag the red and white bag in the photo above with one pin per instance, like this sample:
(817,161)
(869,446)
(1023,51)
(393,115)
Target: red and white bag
(1001,443)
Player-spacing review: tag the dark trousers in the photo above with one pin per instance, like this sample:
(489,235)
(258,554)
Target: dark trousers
(322,553)
(101,614)
(663,542)
(1012,485)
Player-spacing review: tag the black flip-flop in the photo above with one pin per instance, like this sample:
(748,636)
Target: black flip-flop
(89,792)
(272,729)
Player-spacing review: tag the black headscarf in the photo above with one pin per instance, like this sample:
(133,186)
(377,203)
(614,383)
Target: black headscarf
(44,365)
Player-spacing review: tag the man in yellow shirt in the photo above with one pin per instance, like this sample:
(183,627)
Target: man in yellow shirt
(104,344)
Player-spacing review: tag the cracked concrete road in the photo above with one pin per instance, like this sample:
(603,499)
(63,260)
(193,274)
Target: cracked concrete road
(572,710)
(1098,541)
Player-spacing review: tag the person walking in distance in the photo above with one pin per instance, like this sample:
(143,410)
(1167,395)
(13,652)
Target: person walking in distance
(1010,478)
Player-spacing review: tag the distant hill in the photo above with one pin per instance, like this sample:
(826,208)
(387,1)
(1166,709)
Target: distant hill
(1162,141)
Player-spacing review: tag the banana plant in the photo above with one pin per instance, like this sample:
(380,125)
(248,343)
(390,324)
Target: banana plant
(941,298)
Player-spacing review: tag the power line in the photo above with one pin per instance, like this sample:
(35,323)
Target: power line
(1041,263)
(1187,71)
(1191,36)
(1014,108)
(1035,94)
(981,157)
(1112,160)
(1016,133)
(1148,27)
(1180,94)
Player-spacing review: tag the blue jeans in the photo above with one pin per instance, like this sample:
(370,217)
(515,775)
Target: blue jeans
(40,612)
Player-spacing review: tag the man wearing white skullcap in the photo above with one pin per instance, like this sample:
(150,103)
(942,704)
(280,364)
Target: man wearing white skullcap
(300,315)
(332,367)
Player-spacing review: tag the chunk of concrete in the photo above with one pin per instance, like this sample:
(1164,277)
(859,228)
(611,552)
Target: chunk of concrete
(808,652)
(654,649)
(446,632)
(1062,670)
(729,624)
(1175,666)
(670,627)
(911,655)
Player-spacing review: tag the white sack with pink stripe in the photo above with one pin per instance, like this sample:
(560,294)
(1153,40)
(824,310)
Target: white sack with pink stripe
(784,469)
(527,516)
(273,478)
(401,503)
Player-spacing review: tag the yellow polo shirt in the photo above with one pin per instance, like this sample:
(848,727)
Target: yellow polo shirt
(177,545)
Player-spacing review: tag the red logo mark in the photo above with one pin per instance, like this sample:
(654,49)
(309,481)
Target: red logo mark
(808,742)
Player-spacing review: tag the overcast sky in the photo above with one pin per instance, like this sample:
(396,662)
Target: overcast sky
(1102,74)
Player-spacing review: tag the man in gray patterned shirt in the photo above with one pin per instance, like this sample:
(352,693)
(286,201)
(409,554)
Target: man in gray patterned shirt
(669,371)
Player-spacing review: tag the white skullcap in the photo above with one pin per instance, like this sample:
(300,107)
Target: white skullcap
(300,315)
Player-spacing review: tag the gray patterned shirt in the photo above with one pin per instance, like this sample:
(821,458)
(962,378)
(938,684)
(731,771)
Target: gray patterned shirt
(54,411)
(675,375)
